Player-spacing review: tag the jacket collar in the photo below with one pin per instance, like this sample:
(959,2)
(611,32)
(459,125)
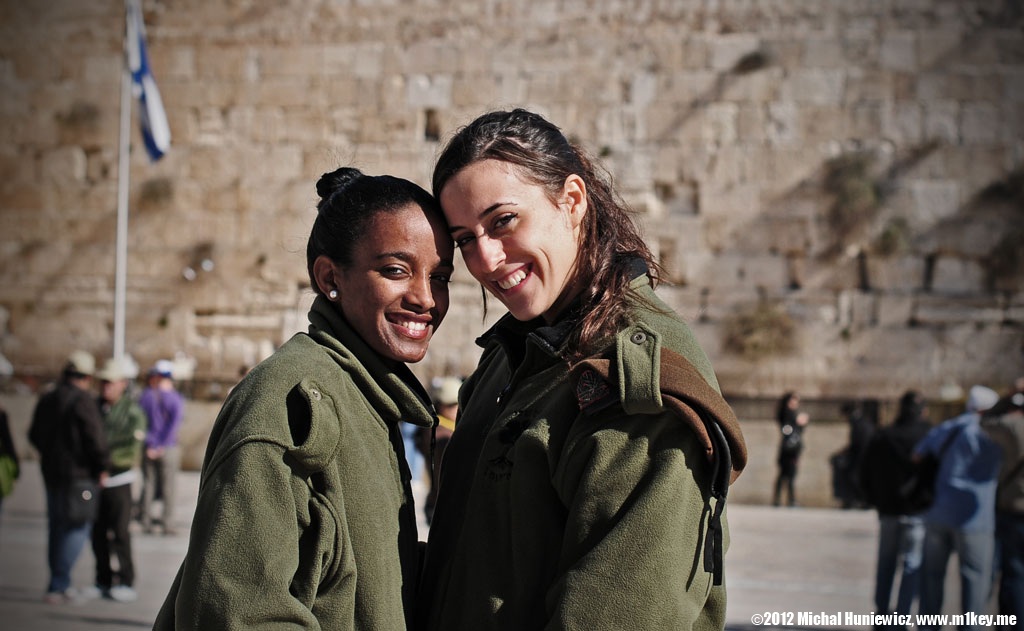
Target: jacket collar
(390,384)
(513,334)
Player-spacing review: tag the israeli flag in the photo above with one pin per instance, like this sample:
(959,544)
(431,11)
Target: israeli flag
(156,133)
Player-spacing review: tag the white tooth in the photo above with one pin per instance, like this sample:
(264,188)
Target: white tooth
(512,280)
(415,326)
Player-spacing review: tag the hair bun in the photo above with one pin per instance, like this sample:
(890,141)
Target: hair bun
(337,180)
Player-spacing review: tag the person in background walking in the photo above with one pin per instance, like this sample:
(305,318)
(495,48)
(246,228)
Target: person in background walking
(962,517)
(124,425)
(1004,424)
(67,431)
(165,409)
(791,426)
(887,466)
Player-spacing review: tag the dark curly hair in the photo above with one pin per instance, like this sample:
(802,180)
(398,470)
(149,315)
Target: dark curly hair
(348,201)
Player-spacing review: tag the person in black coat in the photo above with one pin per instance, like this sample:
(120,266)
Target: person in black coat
(887,464)
(67,431)
(791,425)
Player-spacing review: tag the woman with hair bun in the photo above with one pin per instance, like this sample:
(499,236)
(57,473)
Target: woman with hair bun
(585,481)
(305,516)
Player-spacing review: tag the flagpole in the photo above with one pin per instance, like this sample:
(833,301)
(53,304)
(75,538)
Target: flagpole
(123,176)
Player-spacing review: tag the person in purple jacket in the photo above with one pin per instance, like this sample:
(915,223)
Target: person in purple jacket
(165,409)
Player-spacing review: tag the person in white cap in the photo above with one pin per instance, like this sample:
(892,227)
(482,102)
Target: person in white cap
(963,516)
(124,424)
(165,410)
(67,431)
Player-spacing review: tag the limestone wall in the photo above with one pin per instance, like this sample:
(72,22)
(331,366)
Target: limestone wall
(853,168)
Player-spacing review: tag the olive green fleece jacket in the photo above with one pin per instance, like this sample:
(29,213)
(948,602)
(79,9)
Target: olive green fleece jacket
(305,516)
(580,499)
(124,424)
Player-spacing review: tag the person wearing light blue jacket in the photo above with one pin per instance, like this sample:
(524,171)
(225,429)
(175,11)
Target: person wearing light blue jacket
(962,517)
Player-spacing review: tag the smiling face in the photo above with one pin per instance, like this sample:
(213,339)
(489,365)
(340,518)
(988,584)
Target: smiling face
(395,291)
(516,241)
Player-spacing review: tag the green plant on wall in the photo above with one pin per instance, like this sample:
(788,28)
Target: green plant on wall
(855,193)
(156,191)
(759,332)
(81,115)
(894,238)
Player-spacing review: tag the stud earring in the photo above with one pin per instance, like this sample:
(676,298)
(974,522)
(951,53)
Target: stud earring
(333,294)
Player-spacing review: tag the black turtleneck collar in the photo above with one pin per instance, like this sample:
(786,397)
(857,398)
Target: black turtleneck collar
(513,333)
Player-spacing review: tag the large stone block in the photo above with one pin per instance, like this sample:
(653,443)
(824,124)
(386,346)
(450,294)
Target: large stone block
(903,123)
(822,52)
(954,275)
(291,61)
(868,84)
(944,311)
(812,307)
(175,63)
(940,121)
(894,311)
(726,50)
(719,303)
(980,123)
(16,199)
(822,123)
(899,273)
(63,164)
(757,87)
(856,309)
(727,211)
(935,200)
(898,51)
(429,91)
(282,91)
(1013,85)
(226,62)
(814,86)
(1014,309)
(976,166)
(273,163)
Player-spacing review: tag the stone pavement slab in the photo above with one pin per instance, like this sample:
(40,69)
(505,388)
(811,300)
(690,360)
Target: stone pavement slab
(780,560)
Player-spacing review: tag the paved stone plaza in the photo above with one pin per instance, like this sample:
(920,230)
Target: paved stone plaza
(781,560)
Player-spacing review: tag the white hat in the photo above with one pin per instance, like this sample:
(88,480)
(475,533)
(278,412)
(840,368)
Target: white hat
(447,392)
(163,367)
(81,362)
(980,398)
(117,368)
